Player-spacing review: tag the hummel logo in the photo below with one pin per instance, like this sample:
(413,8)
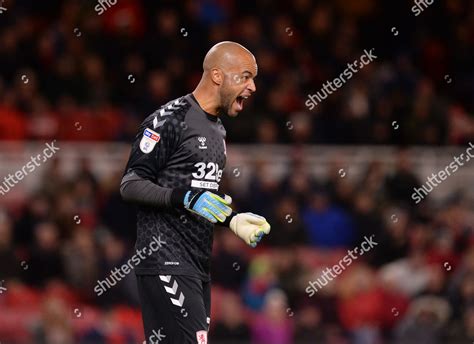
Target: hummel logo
(168,109)
(202,141)
(172,290)
(157,123)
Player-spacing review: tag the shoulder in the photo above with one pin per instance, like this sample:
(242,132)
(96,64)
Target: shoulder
(172,113)
(221,128)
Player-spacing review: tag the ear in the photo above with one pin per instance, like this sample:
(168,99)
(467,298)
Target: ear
(217,76)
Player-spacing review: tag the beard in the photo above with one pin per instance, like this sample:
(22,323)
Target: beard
(227,98)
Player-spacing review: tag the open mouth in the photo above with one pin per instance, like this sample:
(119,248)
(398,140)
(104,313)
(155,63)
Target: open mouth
(240,102)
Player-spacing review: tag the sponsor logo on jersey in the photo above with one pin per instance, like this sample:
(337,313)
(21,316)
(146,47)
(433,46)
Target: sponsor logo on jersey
(149,140)
(171,263)
(202,142)
(207,175)
(201,184)
(201,337)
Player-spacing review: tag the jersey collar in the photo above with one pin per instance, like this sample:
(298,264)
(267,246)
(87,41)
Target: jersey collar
(195,103)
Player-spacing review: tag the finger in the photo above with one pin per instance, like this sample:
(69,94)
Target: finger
(205,214)
(257,235)
(209,216)
(215,213)
(255,219)
(265,228)
(218,210)
(216,201)
(221,197)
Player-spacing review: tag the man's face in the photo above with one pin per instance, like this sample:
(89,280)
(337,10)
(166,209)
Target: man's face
(238,85)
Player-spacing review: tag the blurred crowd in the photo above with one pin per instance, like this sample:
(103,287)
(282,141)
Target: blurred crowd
(415,285)
(63,65)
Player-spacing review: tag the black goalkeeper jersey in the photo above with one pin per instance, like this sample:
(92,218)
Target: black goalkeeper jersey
(178,146)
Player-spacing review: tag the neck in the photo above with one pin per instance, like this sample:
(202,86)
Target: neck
(206,99)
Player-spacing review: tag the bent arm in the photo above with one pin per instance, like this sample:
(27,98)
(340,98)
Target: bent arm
(141,191)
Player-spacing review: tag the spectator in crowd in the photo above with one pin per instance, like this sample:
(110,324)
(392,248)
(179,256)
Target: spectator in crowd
(46,260)
(230,327)
(55,327)
(273,325)
(328,225)
(424,321)
(9,265)
(229,256)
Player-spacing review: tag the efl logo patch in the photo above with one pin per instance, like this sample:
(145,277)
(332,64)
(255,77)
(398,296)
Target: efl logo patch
(201,337)
(149,140)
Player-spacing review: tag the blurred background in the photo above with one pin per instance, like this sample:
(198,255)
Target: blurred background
(323,178)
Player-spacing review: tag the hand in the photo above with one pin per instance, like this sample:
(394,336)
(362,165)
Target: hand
(249,227)
(213,207)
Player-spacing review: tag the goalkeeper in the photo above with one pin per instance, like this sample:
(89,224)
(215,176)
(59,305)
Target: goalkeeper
(173,175)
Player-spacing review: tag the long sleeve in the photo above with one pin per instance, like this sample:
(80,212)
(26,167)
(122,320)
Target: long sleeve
(154,144)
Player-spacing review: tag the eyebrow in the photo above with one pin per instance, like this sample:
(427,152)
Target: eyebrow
(248,72)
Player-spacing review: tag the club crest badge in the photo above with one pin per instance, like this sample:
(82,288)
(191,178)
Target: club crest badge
(201,337)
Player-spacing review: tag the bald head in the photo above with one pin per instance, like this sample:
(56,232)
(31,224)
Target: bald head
(228,78)
(226,55)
